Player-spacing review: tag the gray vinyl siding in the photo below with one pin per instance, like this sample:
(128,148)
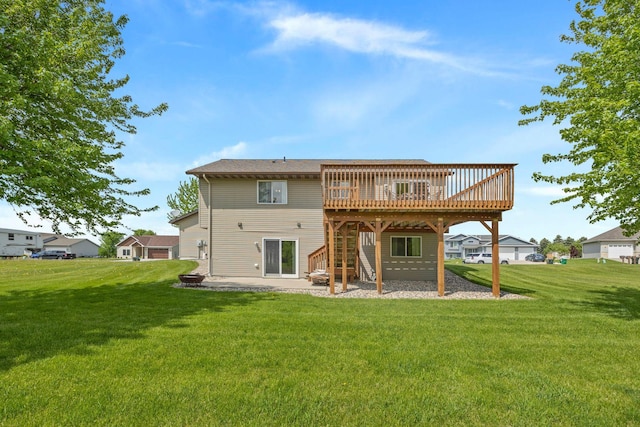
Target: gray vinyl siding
(400,268)
(237,250)
(591,250)
(84,248)
(190,234)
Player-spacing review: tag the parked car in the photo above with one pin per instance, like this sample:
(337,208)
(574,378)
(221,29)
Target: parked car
(535,258)
(56,255)
(482,259)
(36,254)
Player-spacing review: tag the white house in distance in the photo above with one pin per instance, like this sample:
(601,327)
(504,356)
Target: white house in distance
(83,248)
(148,247)
(511,248)
(611,244)
(16,243)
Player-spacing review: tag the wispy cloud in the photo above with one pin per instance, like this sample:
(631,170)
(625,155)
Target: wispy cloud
(236,151)
(296,29)
(300,29)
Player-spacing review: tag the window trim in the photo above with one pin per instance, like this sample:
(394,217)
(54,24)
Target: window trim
(405,246)
(285,197)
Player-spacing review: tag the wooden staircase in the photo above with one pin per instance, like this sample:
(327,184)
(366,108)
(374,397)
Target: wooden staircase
(319,259)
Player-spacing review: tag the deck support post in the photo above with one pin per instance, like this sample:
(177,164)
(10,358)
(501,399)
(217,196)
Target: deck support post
(344,257)
(379,255)
(356,262)
(495,257)
(440,265)
(331,262)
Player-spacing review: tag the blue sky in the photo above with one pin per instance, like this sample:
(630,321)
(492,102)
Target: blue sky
(435,80)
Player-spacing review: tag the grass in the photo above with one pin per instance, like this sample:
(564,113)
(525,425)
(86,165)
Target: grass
(96,342)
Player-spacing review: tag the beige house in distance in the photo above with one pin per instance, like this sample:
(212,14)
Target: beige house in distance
(353,218)
(148,247)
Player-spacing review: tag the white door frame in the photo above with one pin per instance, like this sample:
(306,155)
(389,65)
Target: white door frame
(264,257)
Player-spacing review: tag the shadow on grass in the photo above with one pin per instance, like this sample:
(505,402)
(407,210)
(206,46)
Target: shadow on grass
(40,324)
(618,302)
(471,274)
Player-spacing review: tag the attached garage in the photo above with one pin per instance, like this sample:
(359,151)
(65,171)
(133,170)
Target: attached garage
(618,250)
(157,253)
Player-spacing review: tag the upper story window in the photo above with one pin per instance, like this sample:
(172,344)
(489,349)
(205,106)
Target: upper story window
(11,236)
(406,246)
(272,192)
(29,237)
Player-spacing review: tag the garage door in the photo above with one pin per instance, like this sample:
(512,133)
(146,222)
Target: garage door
(615,251)
(158,254)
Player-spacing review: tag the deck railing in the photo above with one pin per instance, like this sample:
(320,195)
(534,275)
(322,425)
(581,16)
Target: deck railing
(318,259)
(488,187)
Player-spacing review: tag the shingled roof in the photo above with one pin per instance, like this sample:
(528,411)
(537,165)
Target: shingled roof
(613,235)
(151,241)
(302,168)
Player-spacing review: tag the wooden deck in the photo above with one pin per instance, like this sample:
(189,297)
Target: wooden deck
(430,187)
(377,197)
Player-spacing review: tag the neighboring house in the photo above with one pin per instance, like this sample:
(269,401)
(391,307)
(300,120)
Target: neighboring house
(148,247)
(192,239)
(16,243)
(366,218)
(511,248)
(81,247)
(611,244)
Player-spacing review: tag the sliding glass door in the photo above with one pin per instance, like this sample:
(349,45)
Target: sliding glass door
(280,257)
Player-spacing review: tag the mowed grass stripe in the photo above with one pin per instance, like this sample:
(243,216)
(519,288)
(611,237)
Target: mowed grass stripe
(126,348)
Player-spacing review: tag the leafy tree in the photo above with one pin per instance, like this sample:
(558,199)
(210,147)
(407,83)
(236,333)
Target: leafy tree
(560,248)
(558,239)
(569,241)
(534,241)
(108,242)
(59,113)
(543,245)
(574,252)
(143,232)
(596,102)
(185,199)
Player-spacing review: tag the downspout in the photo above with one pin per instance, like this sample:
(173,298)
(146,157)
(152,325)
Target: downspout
(210,225)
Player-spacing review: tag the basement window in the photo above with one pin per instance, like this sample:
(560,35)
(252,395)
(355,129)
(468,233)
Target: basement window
(406,246)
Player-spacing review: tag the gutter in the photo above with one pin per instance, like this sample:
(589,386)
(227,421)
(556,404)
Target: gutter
(210,231)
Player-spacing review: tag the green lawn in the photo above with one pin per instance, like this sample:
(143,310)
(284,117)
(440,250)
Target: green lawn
(97,342)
